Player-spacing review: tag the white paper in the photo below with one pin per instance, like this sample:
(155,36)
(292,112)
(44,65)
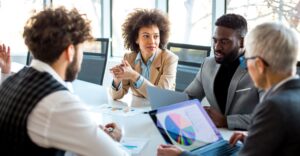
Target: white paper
(133,145)
(117,110)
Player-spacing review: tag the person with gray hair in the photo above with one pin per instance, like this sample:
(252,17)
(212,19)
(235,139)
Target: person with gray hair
(271,56)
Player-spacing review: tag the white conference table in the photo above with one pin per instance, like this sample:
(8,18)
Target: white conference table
(139,125)
(134,126)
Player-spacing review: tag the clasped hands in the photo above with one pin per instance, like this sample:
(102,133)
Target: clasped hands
(124,71)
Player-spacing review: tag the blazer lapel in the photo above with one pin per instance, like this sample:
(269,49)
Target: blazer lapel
(135,66)
(155,68)
(239,73)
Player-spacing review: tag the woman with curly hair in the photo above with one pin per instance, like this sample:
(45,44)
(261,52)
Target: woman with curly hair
(145,33)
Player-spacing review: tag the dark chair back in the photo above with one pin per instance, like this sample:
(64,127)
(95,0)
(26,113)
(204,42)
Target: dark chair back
(191,58)
(29,58)
(94,61)
(298,67)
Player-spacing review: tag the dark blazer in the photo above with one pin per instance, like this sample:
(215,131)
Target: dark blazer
(242,95)
(275,126)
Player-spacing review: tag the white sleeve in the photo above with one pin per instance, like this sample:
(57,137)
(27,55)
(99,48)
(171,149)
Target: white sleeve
(61,120)
(4,77)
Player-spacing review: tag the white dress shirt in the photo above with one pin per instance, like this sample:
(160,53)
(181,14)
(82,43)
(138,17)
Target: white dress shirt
(4,77)
(60,120)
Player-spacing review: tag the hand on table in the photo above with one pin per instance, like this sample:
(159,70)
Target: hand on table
(237,136)
(113,131)
(218,118)
(168,150)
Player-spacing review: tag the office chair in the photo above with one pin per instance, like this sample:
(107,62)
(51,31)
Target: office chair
(94,61)
(191,57)
(298,67)
(29,58)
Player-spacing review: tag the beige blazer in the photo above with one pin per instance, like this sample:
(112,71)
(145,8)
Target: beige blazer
(162,74)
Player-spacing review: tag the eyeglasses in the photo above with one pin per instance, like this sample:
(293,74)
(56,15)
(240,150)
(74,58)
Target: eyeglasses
(254,57)
(243,61)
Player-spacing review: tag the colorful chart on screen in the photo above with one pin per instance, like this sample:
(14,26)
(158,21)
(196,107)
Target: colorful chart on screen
(180,129)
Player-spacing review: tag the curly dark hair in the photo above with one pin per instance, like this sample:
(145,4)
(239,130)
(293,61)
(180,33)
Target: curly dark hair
(141,18)
(235,22)
(51,31)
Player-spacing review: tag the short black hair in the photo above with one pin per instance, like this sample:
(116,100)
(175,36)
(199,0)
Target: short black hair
(235,22)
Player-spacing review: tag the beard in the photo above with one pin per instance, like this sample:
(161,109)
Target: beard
(229,57)
(72,69)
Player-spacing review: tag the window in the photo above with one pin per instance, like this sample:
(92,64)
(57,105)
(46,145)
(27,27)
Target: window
(191,21)
(13,15)
(120,10)
(259,11)
(92,8)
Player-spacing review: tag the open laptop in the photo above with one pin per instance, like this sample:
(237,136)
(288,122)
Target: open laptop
(161,97)
(187,125)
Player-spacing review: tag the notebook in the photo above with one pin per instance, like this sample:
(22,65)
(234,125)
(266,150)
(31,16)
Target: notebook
(161,97)
(187,125)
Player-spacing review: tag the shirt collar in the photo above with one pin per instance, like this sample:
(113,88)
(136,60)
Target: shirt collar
(275,87)
(43,67)
(139,58)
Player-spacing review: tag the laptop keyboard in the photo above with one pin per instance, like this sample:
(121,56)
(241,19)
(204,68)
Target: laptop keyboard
(223,149)
(226,150)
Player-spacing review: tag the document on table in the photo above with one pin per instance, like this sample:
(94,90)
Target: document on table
(117,110)
(133,145)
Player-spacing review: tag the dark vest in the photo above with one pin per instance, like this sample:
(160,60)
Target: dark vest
(19,94)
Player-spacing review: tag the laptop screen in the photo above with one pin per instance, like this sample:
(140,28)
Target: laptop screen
(159,97)
(185,124)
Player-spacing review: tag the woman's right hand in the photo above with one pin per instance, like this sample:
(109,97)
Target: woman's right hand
(124,71)
(116,70)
